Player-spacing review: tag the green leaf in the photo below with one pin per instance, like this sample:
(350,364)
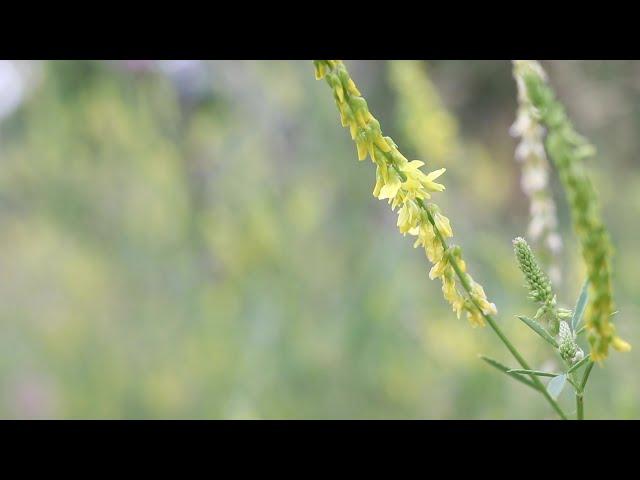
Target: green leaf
(556,385)
(537,373)
(496,364)
(578,312)
(539,329)
(579,364)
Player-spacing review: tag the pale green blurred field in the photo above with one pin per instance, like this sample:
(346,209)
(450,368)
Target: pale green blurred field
(197,240)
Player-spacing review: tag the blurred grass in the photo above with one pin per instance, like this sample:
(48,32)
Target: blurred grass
(202,243)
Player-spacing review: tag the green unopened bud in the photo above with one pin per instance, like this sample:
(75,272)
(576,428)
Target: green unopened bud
(540,289)
(539,286)
(567,345)
(564,313)
(579,355)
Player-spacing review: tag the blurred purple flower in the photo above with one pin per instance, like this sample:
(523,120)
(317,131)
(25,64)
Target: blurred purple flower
(32,396)
(11,88)
(138,65)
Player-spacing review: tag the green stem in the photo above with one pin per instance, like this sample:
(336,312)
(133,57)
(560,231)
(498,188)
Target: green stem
(505,369)
(524,364)
(580,406)
(585,377)
(579,364)
(538,373)
(580,391)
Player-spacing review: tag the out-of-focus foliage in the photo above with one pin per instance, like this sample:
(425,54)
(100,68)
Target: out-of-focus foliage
(194,240)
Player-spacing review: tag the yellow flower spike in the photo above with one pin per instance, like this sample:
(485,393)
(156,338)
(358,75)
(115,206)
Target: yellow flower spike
(406,186)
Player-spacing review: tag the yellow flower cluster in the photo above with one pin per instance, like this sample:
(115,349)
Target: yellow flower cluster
(405,186)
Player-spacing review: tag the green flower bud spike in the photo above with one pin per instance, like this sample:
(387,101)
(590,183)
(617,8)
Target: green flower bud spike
(540,289)
(568,150)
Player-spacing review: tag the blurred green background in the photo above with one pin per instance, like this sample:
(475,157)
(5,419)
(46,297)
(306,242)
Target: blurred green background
(186,239)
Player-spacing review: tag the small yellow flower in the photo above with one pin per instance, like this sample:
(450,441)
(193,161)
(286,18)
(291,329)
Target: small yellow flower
(428,180)
(391,186)
(620,345)
(477,292)
(442,224)
(451,293)
(408,216)
(380,182)
(439,269)
(475,317)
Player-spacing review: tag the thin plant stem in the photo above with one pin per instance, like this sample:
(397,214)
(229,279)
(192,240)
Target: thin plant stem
(538,373)
(505,369)
(580,406)
(579,364)
(580,392)
(585,377)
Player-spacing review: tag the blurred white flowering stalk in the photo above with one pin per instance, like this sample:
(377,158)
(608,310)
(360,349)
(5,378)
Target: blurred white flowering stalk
(530,152)
(17,79)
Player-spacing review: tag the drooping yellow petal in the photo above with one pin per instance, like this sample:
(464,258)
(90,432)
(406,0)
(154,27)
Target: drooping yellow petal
(438,269)
(436,173)
(443,225)
(475,318)
(361,145)
(391,187)
(620,345)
